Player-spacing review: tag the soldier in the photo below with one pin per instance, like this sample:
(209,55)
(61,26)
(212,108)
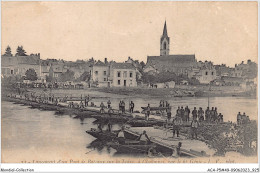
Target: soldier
(187,114)
(178,112)
(182,114)
(132,105)
(102,108)
(239,119)
(123,106)
(207,114)
(201,114)
(212,114)
(194,128)
(108,104)
(148,110)
(194,114)
(177,122)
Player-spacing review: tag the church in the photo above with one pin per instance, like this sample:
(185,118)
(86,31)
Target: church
(179,64)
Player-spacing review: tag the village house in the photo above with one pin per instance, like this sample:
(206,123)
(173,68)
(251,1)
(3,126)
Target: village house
(18,65)
(204,72)
(123,75)
(99,74)
(104,74)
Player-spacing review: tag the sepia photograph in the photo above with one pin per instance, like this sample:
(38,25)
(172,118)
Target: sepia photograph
(129,82)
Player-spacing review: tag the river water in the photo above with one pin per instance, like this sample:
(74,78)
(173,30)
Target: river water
(35,135)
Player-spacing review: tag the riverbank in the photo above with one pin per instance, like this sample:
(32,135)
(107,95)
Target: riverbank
(181,91)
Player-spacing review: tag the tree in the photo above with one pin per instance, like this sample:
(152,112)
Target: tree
(67,76)
(84,76)
(142,64)
(8,51)
(31,74)
(20,51)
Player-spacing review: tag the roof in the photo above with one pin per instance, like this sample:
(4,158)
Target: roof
(16,60)
(172,58)
(99,63)
(123,66)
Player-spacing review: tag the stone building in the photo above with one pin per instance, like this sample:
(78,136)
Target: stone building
(104,74)
(205,72)
(179,64)
(18,65)
(99,74)
(123,75)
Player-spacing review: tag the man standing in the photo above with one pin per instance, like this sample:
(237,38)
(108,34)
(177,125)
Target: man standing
(212,114)
(108,103)
(207,114)
(187,114)
(177,122)
(201,114)
(239,118)
(169,114)
(182,114)
(194,114)
(132,105)
(178,112)
(120,106)
(148,110)
(102,108)
(123,106)
(194,128)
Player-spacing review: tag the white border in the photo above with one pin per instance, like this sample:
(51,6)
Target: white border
(129,167)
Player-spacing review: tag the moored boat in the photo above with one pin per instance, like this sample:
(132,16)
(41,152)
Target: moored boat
(102,135)
(131,147)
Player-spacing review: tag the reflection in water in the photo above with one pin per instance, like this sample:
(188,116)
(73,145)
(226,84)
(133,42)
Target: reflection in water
(48,135)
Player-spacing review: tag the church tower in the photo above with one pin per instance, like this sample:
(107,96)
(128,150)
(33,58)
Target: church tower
(164,42)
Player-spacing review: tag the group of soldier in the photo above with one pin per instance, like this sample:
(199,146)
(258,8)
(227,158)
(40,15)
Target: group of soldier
(242,119)
(200,115)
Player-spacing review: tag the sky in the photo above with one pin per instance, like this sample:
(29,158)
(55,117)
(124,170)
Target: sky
(221,32)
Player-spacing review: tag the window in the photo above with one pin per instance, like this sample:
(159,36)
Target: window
(125,74)
(12,71)
(164,45)
(105,73)
(105,79)
(212,73)
(96,72)
(118,74)
(206,73)
(118,82)
(131,74)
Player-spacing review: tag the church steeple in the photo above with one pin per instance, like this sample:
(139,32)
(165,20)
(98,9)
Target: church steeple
(164,42)
(165,30)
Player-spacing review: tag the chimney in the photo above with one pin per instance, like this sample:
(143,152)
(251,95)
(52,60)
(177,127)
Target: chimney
(242,62)
(248,61)
(105,61)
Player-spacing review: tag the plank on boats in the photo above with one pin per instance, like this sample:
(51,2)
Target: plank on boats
(190,147)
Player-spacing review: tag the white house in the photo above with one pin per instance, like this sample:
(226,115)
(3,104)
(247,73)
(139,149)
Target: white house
(122,75)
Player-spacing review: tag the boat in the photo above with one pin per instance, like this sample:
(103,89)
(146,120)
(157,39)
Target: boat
(155,108)
(104,135)
(131,146)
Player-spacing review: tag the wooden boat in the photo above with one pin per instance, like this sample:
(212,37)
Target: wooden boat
(131,147)
(155,108)
(104,135)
